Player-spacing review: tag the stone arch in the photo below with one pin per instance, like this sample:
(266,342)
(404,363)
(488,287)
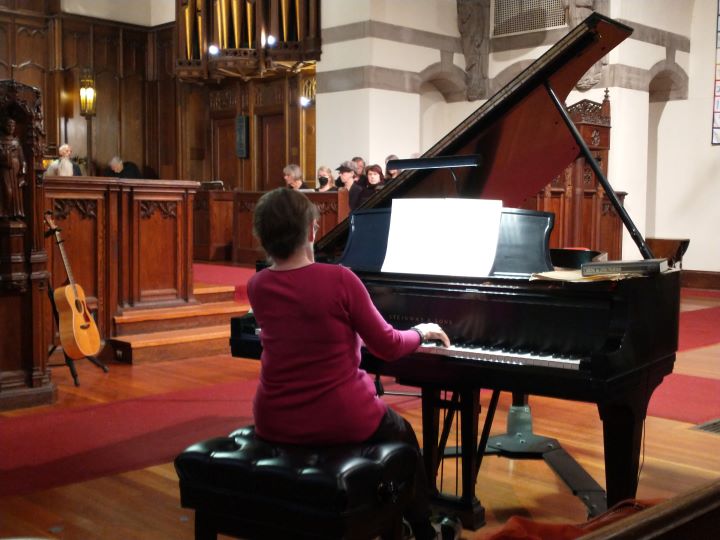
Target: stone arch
(448,79)
(667,81)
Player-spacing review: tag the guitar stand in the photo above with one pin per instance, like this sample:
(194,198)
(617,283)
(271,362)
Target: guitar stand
(69,362)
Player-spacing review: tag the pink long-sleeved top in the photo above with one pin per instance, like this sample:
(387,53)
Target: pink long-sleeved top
(313,322)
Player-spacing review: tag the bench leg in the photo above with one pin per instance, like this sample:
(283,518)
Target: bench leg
(204,527)
(394,530)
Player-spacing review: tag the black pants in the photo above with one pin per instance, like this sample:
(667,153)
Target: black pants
(394,428)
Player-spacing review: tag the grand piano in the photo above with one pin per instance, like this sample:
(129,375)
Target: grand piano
(605,342)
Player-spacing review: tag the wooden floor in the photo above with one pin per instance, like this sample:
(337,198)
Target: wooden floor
(144,504)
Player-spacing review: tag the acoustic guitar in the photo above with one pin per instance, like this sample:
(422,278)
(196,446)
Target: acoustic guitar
(79,335)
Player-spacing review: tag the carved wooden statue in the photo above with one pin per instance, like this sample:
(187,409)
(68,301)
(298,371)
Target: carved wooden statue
(12,172)
(24,370)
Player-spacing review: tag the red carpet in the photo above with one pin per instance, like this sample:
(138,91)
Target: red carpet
(687,399)
(699,293)
(220,274)
(101,440)
(699,328)
(73,445)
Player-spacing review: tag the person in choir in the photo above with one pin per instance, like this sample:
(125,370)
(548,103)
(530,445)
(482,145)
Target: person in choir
(63,165)
(391,174)
(292,174)
(122,169)
(12,172)
(346,180)
(313,319)
(325,179)
(375,182)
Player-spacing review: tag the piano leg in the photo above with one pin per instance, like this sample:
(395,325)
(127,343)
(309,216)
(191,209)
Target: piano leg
(466,403)
(623,417)
(622,437)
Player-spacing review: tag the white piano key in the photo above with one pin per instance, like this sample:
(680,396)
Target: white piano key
(492,355)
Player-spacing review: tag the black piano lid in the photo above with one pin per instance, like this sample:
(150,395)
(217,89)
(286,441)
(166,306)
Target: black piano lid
(518,132)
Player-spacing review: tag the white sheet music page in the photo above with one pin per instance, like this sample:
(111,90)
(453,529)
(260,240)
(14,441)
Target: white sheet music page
(444,237)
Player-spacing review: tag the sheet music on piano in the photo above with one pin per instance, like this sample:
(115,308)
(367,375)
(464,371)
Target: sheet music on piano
(423,236)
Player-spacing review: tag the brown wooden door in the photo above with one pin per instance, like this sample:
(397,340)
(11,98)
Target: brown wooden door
(272,151)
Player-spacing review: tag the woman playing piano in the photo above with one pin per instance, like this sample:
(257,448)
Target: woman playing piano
(314,318)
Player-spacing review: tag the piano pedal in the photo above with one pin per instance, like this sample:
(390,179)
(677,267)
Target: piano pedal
(519,439)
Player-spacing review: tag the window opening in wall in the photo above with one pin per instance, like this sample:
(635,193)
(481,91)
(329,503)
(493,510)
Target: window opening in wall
(510,17)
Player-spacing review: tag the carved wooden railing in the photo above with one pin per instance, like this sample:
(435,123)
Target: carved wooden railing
(129,242)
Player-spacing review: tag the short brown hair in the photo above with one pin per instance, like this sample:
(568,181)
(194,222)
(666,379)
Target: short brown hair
(281,221)
(377,169)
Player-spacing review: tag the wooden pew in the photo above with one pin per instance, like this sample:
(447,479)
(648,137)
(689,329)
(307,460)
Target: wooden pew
(695,514)
(332,205)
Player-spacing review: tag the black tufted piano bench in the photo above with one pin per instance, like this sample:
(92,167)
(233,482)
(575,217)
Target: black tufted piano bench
(245,487)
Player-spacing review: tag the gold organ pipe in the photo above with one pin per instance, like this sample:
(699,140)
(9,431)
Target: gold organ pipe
(188,15)
(216,27)
(236,19)
(200,29)
(224,34)
(285,10)
(250,23)
(298,20)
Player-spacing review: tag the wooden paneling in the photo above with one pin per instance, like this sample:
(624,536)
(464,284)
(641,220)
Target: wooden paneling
(225,162)
(165,99)
(29,5)
(24,54)
(333,207)
(31,52)
(133,117)
(213,222)
(6,56)
(272,137)
(194,132)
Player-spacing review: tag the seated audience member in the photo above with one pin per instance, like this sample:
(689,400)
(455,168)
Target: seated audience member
(312,390)
(360,176)
(375,182)
(122,169)
(63,166)
(346,180)
(325,180)
(292,174)
(391,174)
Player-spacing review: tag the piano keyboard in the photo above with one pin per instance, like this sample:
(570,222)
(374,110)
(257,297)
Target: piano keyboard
(500,356)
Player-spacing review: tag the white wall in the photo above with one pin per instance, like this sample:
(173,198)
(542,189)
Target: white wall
(371,122)
(141,12)
(688,166)
(670,15)
(437,16)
